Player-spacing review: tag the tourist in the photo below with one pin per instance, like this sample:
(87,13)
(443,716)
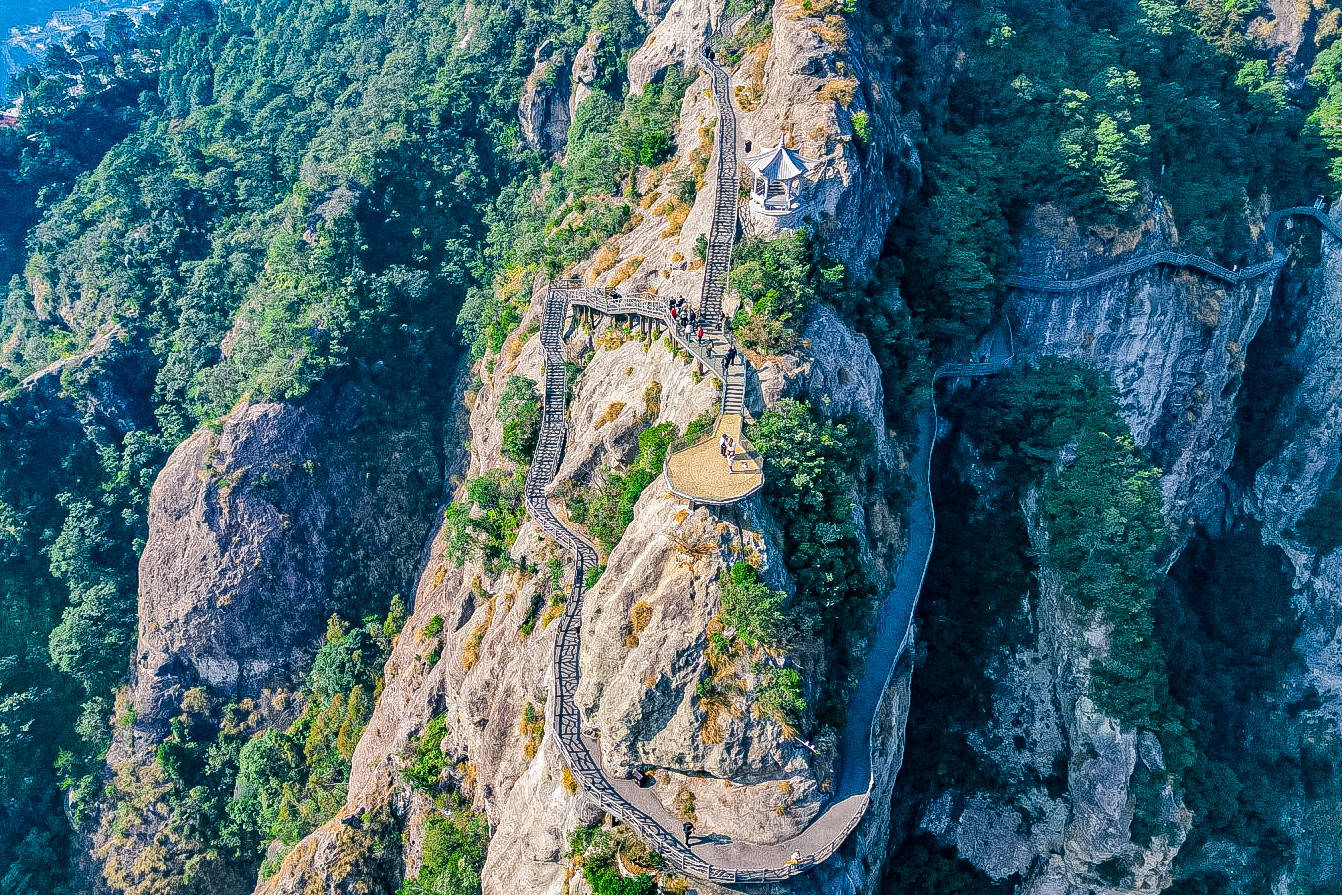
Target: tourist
(731,454)
(699,337)
(731,356)
(722,444)
(673,313)
(687,827)
(794,860)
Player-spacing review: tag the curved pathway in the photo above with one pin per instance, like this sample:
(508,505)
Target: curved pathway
(695,472)
(1179,259)
(721,861)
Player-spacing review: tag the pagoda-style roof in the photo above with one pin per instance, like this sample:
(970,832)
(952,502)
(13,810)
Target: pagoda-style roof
(778,163)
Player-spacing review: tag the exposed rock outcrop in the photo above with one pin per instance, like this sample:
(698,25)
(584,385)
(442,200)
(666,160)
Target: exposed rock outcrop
(249,529)
(544,108)
(584,72)
(1173,342)
(492,658)
(257,533)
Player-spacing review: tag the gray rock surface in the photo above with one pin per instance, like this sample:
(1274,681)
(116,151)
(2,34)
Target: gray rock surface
(1173,342)
(249,527)
(584,72)
(543,110)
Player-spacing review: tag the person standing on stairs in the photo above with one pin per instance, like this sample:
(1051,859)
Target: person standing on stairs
(731,356)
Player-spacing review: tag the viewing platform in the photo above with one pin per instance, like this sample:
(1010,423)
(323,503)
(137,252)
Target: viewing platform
(698,472)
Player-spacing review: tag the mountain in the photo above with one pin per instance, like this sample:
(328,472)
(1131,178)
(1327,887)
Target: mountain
(368,374)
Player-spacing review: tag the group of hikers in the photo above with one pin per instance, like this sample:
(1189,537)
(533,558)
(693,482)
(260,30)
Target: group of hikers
(688,319)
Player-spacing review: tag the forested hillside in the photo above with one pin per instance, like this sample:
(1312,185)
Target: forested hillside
(311,181)
(268,201)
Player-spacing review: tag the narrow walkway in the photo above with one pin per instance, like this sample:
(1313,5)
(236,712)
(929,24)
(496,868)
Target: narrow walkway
(1126,269)
(696,472)
(722,232)
(718,858)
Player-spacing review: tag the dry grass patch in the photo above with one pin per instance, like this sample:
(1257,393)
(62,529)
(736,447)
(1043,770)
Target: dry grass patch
(652,401)
(840,90)
(833,30)
(640,614)
(749,94)
(470,653)
(625,271)
(605,259)
(700,155)
(610,415)
(613,338)
(532,726)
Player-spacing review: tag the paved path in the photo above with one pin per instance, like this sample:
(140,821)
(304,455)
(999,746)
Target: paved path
(721,860)
(696,472)
(722,231)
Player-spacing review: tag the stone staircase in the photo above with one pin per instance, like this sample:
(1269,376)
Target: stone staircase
(722,230)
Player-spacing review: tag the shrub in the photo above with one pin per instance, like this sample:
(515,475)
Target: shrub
(520,413)
(608,509)
(862,127)
(778,282)
(486,523)
(750,606)
(428,763)
(809,489)
(779,697)
(454,854)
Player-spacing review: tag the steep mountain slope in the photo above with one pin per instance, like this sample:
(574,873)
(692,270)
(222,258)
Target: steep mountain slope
(283,619)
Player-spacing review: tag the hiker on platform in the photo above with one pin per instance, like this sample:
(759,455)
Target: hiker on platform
(722,444)
(731,454)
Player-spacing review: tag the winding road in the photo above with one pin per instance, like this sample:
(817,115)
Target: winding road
(717,858)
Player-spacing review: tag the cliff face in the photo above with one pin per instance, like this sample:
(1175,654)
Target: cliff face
(1233,393)
(257,533)
(249,529)
(1173,342)
(639,688)
(645,621)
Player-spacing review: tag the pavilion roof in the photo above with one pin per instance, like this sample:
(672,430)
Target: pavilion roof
(778,163)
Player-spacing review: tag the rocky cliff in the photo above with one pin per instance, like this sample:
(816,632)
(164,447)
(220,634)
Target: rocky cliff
(1232,392)
(647,620)
(258,532)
